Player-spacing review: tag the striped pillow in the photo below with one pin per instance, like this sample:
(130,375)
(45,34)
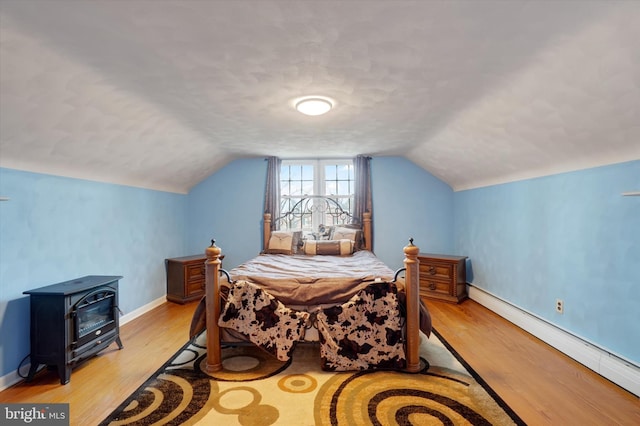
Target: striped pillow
(341,247)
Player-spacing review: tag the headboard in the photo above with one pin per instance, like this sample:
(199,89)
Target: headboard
(327,209)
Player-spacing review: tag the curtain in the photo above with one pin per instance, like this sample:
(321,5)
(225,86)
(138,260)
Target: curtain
(272,190)
(362,194)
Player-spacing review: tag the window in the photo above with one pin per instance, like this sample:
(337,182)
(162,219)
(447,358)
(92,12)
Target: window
(306,178)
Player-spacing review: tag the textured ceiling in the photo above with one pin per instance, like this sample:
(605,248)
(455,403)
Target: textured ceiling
(162,94)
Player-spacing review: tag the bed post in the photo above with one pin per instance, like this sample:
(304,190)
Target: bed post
(366,229)
(266,230)
(212,294)
(412,288)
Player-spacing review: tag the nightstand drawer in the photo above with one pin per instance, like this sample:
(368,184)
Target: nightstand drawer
(427,286)
(195,272)
(195,287)
(430,270)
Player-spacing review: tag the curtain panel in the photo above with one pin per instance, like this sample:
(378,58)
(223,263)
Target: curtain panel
(272,190)
(362,194)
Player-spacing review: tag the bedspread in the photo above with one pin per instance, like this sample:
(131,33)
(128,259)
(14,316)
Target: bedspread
(313,280)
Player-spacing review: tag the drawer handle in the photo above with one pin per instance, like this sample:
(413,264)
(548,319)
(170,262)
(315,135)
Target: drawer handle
(432,270)
(432,285)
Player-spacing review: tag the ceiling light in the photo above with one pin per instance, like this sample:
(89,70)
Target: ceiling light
(314,105)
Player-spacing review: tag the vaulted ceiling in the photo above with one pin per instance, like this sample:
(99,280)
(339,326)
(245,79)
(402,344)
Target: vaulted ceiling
(162,94)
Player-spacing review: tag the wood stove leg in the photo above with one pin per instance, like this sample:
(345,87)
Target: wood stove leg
(119,342)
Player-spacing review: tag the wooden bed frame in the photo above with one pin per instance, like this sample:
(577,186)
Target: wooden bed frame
(411,283)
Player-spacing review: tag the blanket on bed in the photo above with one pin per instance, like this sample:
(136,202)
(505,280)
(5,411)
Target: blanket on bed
(363,333)
(313,280)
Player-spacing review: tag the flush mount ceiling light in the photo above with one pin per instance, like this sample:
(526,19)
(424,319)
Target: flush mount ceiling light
(314,105)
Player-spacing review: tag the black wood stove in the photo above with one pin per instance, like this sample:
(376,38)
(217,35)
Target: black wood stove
(72,321)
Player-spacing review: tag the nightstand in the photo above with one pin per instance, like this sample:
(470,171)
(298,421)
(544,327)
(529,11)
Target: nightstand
(443,277)
(185,278)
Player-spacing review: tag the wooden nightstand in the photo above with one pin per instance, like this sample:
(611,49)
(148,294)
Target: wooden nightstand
(185,278)
(443,277)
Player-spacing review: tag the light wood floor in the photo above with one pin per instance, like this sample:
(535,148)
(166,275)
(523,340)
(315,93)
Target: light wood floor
(542,385)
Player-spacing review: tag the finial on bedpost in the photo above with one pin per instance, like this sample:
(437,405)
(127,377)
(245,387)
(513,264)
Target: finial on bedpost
(411,250)
(213,251)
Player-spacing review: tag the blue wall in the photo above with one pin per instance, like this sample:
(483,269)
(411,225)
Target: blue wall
(228,206)
(570,236)
(54,229)
(409,202)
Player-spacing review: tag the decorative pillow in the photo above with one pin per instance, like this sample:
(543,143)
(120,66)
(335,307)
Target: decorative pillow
(324,232)
(296,242)
(328,247)
(354,234)
(340,233)
(283,242)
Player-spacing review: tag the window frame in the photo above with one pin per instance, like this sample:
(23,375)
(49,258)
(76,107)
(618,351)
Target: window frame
(319,187)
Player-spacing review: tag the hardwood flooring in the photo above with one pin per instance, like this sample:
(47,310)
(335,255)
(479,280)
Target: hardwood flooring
(542,385)
(100,384)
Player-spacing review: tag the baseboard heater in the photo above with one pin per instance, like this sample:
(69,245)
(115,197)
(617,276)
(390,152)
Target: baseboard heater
(619,370)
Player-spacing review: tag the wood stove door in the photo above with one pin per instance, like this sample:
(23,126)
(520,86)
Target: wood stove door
(94,316)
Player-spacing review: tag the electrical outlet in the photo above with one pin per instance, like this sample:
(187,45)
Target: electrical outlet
(559,306)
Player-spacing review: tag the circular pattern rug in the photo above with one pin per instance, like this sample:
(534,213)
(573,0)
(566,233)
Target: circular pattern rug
(255,389)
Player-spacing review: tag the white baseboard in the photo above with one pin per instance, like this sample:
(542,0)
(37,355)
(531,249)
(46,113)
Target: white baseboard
(142,310)
(12,378)
(620,371)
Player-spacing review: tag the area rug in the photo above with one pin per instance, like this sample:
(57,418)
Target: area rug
(255,389)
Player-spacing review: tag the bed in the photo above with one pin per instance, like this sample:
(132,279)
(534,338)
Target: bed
(324,286)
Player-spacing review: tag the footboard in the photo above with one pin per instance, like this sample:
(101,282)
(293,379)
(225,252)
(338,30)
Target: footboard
(213,308)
